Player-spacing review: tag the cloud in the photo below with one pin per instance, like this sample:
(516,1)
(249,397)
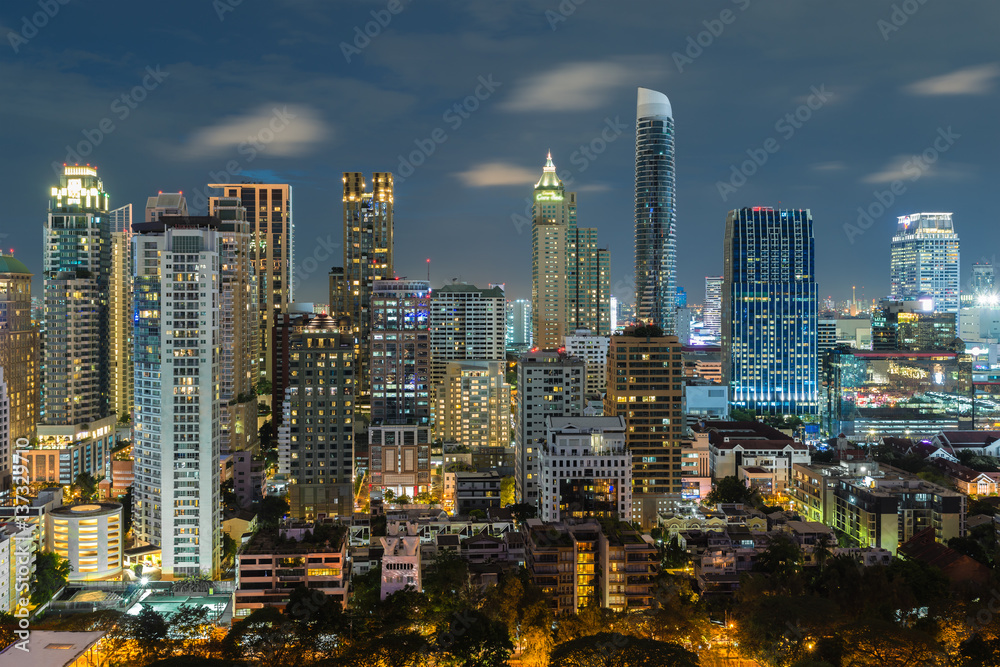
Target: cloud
(580,86)
(282,130)
(836,165)
(912,167)
(968,81)
(492,174)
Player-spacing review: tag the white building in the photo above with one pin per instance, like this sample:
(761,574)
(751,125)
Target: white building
(467,323)
(401,560)
(593,349)
(16,544)
(519,320)
(712,309)
(708,401)
(90,536)
(585,469)
(176,433)
(925,260)
(775,456)
(549,383)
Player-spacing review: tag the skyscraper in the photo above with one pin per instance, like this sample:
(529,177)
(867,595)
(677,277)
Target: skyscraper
(655,212)
(269,213)
(468,323)
(473,404)
(77,262)
(368,224)
(712,310)
(925,260)
(769,311)
(519,323)
(982,278)
(177,418)
(570,271)
(120,312)
(18,347)
(646,387)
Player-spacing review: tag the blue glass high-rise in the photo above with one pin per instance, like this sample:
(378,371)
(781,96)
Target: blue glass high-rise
(769,311)
(655,212)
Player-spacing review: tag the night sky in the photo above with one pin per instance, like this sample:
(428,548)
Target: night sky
(202,81)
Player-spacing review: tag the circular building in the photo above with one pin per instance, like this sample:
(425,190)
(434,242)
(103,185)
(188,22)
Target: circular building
(89,536)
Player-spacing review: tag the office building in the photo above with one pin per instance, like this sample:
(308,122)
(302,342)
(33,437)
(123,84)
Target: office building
(983,279)
(549,383)
(467,323)
(585,470)
(925,260)
(769,311)
(570,272)
(77,263)
(912,326)
(400,351)
(712,310)
(176,427)
(272,253)
(655,212)
(316,436)
(519,325)
(646,388)
(18,349)
(120,313)
(239,328)
(368,224)
(593,349)
(473,404)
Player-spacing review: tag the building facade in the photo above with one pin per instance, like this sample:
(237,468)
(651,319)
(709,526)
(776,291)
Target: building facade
(400,352)
(646,388)
(655,212)
(176,429)
(769,311)
(91,536)
(268,209)
(18,355)
(925,261)
(519,325)
(593,349)
(473,405)
(120,312)
(549,383)
(712,309)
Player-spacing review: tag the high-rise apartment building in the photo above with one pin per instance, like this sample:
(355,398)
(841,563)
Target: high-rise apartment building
(338,307)
(925,260)
(549,383)
(982,279)
(368,220)
(269,214)
(18,347)
(570,272)
(646,388)
(769,311)
(316,436)
(655,212)
(593,349)
(120,313)
(473,404)
(239,328)
(519,324)
(77,262)
(6,444)
(712,309)
(400,352)
(176,429)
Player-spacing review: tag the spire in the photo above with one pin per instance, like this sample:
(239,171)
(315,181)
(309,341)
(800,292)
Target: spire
(549,178)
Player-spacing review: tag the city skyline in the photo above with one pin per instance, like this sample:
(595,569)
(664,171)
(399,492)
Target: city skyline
(578,103)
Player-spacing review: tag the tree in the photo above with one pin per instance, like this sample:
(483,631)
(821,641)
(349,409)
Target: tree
(403,500)
(474,639)
(229,547)
(741,415)
(610,649)
(126,501)
(51,573)
(729,490)
(477,514)
(389,496)
(263,387)
(782,558)
(86,484)
(647,331)
(506,491)
(265,637)
(444,580)
(272,510)
(523,511)
(149,630)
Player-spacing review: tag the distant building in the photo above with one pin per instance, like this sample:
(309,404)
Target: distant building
(593,349)
(18,354)
(983,279)
(712,309)
(912,326)
(736,445)
(925,261)
(519,319)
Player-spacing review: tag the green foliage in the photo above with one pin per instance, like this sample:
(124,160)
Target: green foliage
(263,387)
(51,573)
(506,491)
(473,639)
(647,331)
(86,484)
(229,547)
(477,514)
(742,415)
(271,510)
(612,649)
(782,557)
(523,511)
(730,490)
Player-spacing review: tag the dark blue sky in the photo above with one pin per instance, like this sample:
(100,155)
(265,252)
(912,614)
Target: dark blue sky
(884,85)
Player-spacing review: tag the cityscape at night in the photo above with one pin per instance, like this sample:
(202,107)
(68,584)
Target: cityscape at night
(474,333)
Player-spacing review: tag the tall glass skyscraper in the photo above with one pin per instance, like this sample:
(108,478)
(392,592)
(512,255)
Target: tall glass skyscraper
(655,212)
(712,309)
(924,260)
(769,311)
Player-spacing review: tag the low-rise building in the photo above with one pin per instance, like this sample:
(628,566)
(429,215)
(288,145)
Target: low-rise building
(17,549)
(401,566)
(752,444)
(476,491)
(270,569)
(62,453)
(968,481)
(629,565)
(90,536)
